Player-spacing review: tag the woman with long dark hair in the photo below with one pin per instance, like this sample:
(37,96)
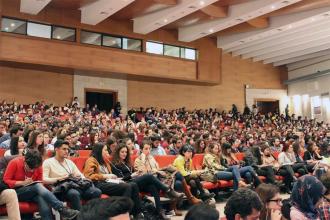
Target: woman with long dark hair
(36,142)
(122,168)
(17,145)
(97,168)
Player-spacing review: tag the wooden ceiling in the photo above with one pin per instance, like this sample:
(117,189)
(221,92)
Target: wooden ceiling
(216,10)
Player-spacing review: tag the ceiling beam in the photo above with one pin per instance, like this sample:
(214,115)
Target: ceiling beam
(237,14)
(297,46)
(100,10)
(215,11)
(298,53)
(303,57)
(261,22)
(277,25)
(166,2)
(153,21)
(33,6)
(308,62)
(257,47)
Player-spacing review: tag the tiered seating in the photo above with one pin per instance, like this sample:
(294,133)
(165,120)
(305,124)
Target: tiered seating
(163,161)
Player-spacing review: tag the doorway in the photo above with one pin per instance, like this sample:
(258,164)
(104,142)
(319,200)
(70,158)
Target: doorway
(266,106)
(104,99)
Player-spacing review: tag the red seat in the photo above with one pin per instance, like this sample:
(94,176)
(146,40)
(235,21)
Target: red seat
(84,153)
(209,185)
(2,152)
(80,162)
(165,160)
(225,183)
(198,161)
(24,207)
(240,156)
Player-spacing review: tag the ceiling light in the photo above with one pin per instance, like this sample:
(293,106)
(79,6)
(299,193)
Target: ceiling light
(12,25)
(6,29)
(58,37)
(290,26)
(211,30)
(165,20)
(113,42)
(201,3)
(273,7)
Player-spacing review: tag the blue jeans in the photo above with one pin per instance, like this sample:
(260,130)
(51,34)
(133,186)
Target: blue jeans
(74,196)
(178,182)
(231,173)
(39,194)
(250,175)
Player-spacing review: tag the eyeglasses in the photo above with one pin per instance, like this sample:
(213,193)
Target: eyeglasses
(278,201)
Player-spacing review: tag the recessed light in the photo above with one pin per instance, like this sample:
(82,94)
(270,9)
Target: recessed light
(290,26)
(165,20)
(6,29)
(201,3)
(113,42)
(12,24)
(211,30)
(104,13)
(273,7)
(58,37)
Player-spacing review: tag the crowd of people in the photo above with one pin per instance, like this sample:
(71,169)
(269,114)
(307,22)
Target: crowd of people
(39,139)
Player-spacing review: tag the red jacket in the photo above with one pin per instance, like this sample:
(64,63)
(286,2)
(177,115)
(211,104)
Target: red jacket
(15,172)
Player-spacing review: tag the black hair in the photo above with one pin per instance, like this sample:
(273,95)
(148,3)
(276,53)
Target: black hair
(202,211)
(97,152)
(33,159)
(104,209)
(14,146)
(237,203)
(185,148)
(14,129)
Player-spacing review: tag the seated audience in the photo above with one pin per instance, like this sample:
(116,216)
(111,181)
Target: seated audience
(212,162)
(184,165)
(114,208)
(307,193)
(271,198)
(245,171)
(202,211)
(122,168)
(243,204)
(59,172)
(156,149)
(15,131)
(98,169)
(24,174)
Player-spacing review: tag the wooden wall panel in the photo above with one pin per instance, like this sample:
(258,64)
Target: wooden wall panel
(29,85)
(31,50)
(235,74)
(207,67)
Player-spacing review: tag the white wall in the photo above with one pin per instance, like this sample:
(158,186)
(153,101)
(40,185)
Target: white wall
(85,79)
(276,94)
(301,93)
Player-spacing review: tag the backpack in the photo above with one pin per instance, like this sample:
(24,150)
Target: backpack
(148,209)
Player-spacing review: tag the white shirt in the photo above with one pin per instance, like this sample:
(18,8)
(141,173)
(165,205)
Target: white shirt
(53,169)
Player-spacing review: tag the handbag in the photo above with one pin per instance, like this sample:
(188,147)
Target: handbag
(209,176)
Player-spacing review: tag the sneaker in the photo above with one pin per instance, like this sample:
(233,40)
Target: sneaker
(163,216)
(207,196)
(174,195)
(68,214)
